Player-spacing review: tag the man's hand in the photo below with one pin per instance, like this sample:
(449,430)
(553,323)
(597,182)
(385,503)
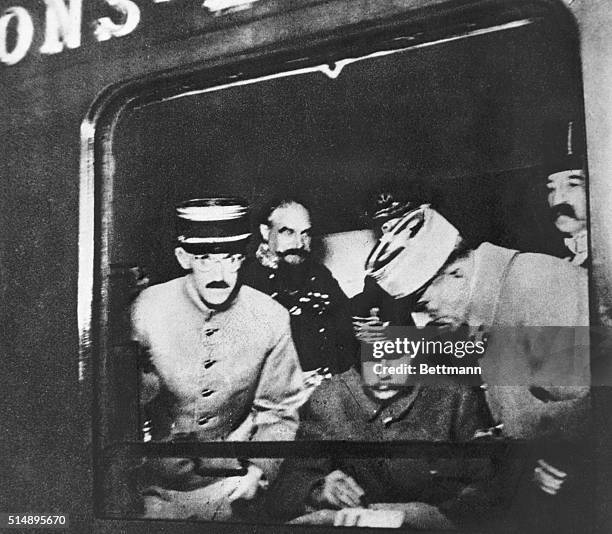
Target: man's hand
(247,486)
(370,329)
(548,478)
(338,490)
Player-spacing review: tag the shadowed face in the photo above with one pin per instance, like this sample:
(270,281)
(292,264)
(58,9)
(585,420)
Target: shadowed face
(444,302)
(567,200)
(381,376)
(215,275)
(288,233)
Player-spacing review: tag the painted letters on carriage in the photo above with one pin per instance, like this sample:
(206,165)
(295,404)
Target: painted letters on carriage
(10,54)
(61,27)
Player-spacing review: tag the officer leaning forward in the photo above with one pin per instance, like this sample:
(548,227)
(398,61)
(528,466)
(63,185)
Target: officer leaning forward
(222,367)
(284,269)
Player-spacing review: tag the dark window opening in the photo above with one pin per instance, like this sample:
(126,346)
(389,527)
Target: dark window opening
(458,120)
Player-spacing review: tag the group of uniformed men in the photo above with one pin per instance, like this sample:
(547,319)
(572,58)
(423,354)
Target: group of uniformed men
(267,349)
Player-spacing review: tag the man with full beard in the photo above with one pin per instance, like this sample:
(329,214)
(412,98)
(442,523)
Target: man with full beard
(284,269)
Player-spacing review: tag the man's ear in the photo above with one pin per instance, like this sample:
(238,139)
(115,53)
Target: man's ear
(183,258)
(264,229)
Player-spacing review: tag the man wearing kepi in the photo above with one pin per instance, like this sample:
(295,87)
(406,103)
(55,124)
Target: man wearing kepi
(567,188)
(285,269)
(222,367)
(531,308)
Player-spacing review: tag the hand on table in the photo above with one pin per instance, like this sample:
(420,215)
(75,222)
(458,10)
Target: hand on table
(246,487)
(338,490)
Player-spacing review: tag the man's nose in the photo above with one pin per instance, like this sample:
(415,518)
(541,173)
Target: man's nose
(384,374)
(216,271)
(297,242)
(559,196)
(304,240)
(421,306)
(427,307)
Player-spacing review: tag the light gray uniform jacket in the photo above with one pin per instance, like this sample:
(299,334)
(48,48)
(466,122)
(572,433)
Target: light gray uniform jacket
(535,310)
(216,375)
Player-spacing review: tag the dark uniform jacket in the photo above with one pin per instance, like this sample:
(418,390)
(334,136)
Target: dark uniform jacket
(319,310)
(342,409)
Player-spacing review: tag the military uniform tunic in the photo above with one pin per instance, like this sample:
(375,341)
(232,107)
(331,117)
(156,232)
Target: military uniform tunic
(342,409)
(217,375)
(536,366)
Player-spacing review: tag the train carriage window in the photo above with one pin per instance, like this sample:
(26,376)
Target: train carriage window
(458,120)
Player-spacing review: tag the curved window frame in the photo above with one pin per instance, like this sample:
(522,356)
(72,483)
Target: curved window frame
(329,53)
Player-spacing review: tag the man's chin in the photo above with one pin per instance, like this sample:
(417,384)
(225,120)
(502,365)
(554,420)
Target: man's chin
(568,225)
(216,299)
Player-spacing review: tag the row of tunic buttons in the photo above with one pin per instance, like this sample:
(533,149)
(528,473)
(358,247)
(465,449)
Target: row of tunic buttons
(206,392)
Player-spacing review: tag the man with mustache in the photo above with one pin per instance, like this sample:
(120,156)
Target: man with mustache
(283,268)
(221,366)
(532,311)
(567,189)
(422,492)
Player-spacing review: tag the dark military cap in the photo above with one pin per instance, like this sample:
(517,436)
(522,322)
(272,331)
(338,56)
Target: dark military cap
(565,146)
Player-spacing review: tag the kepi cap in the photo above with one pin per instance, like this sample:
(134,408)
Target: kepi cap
(212,225)
(410,255)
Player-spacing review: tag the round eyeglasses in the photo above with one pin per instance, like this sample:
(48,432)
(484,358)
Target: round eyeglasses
(206,262)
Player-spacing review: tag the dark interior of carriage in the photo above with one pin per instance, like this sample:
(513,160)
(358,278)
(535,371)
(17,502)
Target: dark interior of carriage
(464,116)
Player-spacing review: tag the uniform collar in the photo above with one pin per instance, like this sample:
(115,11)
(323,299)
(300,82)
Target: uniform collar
(578,246)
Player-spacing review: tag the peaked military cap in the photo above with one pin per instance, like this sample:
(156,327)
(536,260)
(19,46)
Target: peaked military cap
(212,225)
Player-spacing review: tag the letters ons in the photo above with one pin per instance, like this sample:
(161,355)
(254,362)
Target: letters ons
(62,27)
